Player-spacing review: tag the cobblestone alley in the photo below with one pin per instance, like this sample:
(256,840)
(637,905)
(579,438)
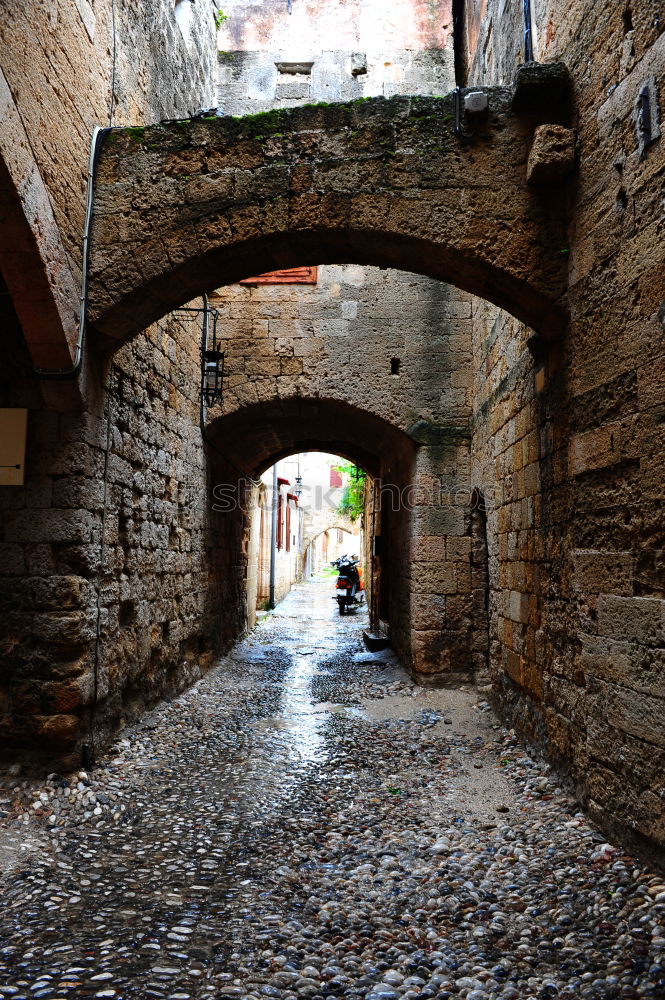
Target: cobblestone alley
(305,823)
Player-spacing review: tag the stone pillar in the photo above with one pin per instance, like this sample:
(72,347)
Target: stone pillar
(440,563)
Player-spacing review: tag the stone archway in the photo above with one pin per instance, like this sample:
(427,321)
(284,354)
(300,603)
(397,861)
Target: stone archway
(184,207)
(327,523)
(33,261)
(251,439)
(324,525)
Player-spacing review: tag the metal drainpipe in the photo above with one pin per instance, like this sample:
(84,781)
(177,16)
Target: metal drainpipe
(273,538)
(528,38)
(459,42)
(98,135)
(374,597)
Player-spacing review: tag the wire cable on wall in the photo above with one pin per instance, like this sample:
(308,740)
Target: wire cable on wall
(528,33)
(113,62)
(89,749)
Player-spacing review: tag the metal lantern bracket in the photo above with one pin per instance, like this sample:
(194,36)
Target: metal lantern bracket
(212,358)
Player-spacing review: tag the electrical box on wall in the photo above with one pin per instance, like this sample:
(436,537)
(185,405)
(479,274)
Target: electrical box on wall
(475,102)
(13,427)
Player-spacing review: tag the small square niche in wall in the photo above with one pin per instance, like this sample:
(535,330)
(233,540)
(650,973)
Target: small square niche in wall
(295,68)
(293,81)
(358,64)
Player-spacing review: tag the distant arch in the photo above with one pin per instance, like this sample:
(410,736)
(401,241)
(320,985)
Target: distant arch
(311,537)
(254,437)
(246,442)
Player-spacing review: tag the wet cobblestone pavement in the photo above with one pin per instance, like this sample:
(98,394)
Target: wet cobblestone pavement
(305,823)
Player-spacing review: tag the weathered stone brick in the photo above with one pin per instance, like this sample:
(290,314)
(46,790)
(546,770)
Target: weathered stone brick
(634,619)
(12,562)
(428,612)
(637,714)
(552,155)
(594,449)
(431,577)
(62,592)
(52,526)
(603,572)
(428,548)
(519,606)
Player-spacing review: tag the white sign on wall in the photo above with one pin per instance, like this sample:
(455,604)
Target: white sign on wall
(13,426)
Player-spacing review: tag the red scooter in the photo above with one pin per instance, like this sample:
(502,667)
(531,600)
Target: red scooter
(349,589)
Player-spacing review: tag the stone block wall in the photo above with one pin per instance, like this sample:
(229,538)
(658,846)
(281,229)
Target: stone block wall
(398,346)
(158,623)
(253,81)
(109,537)
(576,564)
(297,34)
(342,338)
(440,548)
(340,51)
(57,59)
(512,457)
(105,590)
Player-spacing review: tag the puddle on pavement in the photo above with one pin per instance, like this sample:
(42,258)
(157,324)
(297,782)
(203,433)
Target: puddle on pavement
(297,714)
(300,717)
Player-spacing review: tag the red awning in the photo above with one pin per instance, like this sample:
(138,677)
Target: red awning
(283,482)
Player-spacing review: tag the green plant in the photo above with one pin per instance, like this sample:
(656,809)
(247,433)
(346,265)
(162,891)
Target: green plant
(220,17)
(352,503)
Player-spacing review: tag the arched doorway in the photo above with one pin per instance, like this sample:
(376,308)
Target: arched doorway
(328,544)
(247,442)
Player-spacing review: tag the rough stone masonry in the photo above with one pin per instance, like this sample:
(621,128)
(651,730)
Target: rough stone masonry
(385,181)
(565,436)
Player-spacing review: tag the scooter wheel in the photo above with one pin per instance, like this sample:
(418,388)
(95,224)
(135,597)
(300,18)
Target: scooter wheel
(342,607)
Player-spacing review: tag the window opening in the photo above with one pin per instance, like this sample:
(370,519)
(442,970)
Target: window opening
(183,16)
(289,276)
(280,520)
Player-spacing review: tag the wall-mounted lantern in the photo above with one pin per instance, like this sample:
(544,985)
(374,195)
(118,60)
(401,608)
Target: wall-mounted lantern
(212,360)
(213,373)
(298,487)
